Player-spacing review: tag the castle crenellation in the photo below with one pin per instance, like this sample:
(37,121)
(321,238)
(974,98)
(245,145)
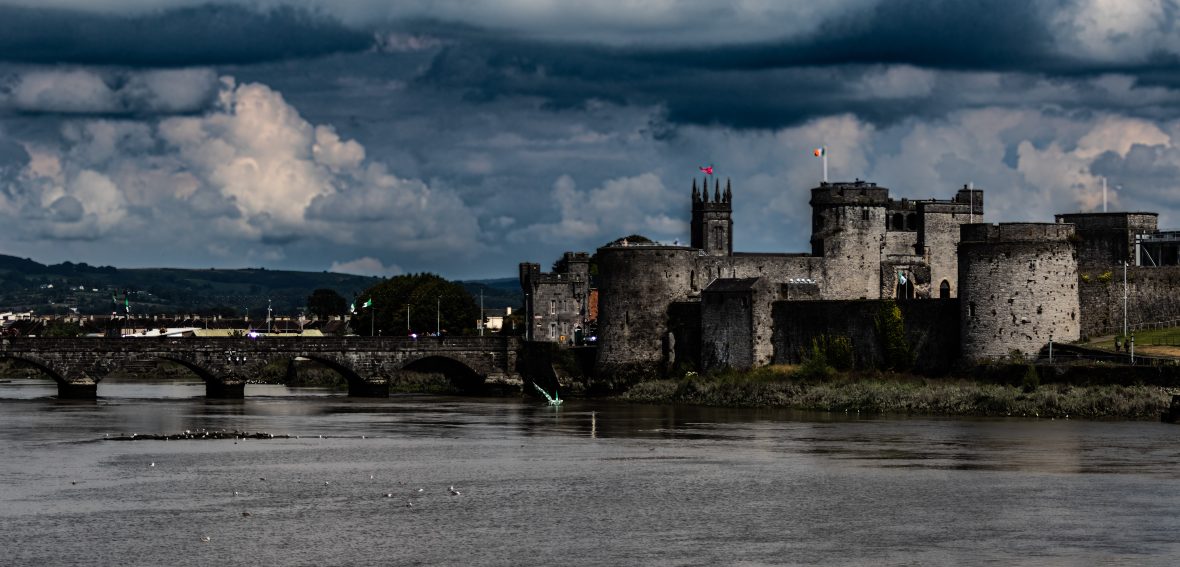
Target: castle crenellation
(992,289)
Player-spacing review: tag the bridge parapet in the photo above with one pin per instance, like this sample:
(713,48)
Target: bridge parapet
(226,363)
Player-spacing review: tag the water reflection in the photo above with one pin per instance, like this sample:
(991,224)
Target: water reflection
(590,482)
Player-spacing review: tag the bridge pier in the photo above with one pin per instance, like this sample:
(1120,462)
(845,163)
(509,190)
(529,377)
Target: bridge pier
(363,389)
(77,390)
(223,391)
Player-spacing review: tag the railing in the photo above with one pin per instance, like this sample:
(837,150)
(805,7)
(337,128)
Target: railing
(1140,326)
(275,343)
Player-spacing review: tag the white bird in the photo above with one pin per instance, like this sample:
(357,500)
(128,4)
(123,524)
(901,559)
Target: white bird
(325,483)
(205,538)
(420,489)
(235,493)
(389,495)
(152,465)
(370,477)
(454,492)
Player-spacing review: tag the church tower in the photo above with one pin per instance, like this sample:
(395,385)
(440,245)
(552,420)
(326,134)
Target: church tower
(712,222)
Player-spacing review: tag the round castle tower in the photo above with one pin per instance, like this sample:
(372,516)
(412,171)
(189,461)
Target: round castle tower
(636,285)
(1017,288)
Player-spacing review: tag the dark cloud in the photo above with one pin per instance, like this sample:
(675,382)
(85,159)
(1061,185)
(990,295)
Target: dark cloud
(213,34)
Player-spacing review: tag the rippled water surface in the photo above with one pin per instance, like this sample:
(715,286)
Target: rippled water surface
(591,483)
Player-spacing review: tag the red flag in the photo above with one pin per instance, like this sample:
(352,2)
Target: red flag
(708,170)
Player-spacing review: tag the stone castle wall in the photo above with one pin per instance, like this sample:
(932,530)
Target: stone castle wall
(932,330)
(638,284)
(940,242)
(850,238)
(1152,297)
(1108,239)
(1017,287)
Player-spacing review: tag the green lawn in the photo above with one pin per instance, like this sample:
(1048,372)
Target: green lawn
(1169,336)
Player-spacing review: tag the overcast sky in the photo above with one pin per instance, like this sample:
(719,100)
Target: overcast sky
(462,136)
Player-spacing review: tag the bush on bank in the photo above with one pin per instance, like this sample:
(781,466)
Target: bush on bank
(789,386)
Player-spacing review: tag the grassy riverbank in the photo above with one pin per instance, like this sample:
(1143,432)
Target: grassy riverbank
(875,392)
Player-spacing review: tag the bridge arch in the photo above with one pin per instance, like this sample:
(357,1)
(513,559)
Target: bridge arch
(45,367)
(461,375)
(202,372)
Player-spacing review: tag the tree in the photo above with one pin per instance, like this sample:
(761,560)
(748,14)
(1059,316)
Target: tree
(427,296)
(324,303)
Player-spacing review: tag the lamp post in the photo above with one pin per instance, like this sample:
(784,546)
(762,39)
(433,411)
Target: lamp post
(407,318)
(438,316)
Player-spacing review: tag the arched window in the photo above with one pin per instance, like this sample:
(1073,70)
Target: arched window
(944,290)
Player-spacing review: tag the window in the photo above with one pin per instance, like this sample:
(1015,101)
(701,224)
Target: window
(553,330)
(944,290)
(911,222)
(553,307)
(898,221)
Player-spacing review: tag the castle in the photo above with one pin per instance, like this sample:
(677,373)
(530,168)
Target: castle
(966,290)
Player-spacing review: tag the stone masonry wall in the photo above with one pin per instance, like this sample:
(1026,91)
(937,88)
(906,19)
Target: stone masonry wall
(637,284)
(1018,287)
(932,329)
(940,243)
(1151,298)
(727,330)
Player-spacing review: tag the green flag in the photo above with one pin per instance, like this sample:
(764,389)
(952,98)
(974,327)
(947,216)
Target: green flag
(127,304)
(368,303)
(352,307)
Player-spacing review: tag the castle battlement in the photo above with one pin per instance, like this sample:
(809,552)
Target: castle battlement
(1036,232)
(854,193)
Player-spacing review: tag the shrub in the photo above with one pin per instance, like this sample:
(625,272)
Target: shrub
(1031,379)
(890,329)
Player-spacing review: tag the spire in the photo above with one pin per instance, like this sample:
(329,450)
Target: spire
(717,191)
(705,190)
(696,195)
(728,191)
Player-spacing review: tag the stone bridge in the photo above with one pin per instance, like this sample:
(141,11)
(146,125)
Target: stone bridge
(227,363)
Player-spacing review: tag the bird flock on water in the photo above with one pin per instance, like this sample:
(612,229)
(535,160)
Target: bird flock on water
(409,502)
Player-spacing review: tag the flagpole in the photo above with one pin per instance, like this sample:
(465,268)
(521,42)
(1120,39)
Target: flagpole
(825,156)
(372,319)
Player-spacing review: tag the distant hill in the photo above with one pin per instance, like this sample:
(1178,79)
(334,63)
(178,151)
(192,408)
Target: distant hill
(498,293)
(59,288)
(29,285)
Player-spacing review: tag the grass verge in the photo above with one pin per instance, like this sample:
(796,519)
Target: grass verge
(904,394)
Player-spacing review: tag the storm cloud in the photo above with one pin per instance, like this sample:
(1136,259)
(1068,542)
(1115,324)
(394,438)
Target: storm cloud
(463,137)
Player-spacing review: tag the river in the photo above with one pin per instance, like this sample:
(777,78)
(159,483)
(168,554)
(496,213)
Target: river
(590,483)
